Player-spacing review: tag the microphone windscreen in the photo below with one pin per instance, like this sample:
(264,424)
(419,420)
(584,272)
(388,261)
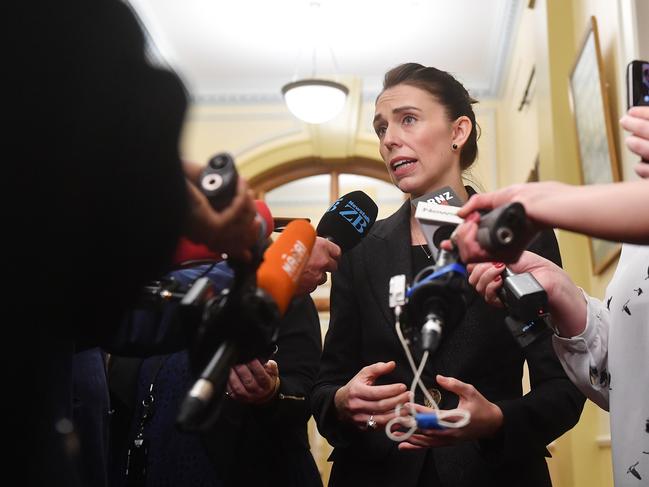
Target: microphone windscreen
(284,261)
(442,196)
(436,232)
(348,220)
(268,224)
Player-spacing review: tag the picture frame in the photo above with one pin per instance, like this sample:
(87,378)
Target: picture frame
(591,113)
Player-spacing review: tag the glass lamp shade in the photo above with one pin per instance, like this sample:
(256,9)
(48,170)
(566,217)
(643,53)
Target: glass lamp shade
(315,100)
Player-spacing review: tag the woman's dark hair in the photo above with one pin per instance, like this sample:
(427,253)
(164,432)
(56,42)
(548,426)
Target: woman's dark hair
(448,91)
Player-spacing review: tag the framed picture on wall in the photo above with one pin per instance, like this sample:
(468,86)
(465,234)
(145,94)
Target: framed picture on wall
(591,112)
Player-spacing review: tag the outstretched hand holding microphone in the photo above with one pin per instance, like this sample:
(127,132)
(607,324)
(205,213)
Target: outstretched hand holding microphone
(606,211)
(231,228)
(344,224)
(601,343)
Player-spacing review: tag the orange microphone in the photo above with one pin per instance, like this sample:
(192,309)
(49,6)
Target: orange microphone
(253,315)
(284,261)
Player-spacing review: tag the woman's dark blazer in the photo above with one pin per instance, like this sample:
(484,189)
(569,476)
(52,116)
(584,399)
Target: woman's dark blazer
(479,350)
(268,446)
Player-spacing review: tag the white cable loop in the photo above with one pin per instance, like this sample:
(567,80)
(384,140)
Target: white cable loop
(409,421)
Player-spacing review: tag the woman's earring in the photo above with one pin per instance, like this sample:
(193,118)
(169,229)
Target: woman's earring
(454,146)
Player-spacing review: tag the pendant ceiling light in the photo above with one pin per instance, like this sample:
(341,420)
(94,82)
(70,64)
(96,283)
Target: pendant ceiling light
(315,100)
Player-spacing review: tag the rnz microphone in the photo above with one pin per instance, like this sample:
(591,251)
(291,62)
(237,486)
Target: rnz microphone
(348,220)
(503,228)
(436,213)
(437,297)
(244,323)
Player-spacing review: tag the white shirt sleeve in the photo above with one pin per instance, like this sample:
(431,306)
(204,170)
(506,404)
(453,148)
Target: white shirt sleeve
(585,357)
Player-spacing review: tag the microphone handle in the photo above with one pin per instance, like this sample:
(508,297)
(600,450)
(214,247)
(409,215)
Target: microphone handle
(193,413)
(502,294)
(525,300)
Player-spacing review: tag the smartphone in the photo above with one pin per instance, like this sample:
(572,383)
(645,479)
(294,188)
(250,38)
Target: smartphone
(637,81)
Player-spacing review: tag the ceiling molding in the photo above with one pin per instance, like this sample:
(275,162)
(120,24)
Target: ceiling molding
(159,22)
(238,98)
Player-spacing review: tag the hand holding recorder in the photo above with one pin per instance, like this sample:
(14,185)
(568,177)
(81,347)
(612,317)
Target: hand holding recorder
(607,211)
(227,223)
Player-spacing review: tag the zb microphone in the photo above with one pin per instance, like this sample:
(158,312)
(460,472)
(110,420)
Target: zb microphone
(348,220)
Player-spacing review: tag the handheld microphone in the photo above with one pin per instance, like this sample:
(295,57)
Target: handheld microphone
(218,182)
(506,229)
(244,322)
(284,260)
(348,220)
(436,213)
(219,179)
(438,298)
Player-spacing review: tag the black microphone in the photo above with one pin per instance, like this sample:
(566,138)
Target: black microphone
(218,180)
(506,231)
(348,220)
(438,298)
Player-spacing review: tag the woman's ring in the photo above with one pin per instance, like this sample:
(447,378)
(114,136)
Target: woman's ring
(371,423)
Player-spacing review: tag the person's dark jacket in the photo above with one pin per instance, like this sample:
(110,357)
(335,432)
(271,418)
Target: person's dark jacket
(479,350)
(100,201)
(271,437)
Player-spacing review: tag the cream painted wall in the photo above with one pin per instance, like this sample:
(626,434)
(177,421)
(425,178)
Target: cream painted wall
(517,139)
(641,11)
(236,129)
